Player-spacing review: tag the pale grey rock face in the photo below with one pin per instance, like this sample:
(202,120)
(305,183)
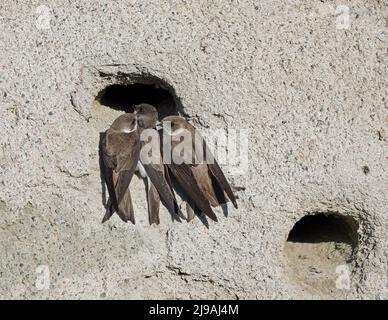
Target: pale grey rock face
(306,79)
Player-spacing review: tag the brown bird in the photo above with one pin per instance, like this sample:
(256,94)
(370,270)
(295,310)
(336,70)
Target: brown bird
(202,180)
(152,170)
(120,151)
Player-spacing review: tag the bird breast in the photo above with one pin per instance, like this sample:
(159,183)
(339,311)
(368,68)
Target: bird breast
(141,170)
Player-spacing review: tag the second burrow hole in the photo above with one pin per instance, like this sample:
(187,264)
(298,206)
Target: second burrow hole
(318,248)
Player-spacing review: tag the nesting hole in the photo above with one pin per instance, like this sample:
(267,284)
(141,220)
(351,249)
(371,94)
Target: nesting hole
(123,97)
(317,246)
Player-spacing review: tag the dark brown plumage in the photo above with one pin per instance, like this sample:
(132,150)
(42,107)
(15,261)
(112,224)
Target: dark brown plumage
(200,182)
(158,188)
(203,182)
(120,154)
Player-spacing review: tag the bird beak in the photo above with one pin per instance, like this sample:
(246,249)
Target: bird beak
(159,126)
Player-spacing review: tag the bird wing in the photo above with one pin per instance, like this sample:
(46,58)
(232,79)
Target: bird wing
(107,169)
(158,179)
(208,184)
(120,153)
(125,207)
(110,148)
(128,151)
(217,173)
(127,159)
(153,201)
(185,178)
(157,174)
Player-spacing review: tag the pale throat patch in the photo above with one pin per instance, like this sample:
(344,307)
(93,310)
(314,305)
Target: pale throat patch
(126,130)
(174,133)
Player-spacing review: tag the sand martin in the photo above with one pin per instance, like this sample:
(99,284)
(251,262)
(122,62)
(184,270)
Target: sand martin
(152,168)
(197,172)
(120,155)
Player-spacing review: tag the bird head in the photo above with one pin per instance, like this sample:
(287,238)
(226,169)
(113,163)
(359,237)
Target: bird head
(126,123)
(147,115)
(174,125)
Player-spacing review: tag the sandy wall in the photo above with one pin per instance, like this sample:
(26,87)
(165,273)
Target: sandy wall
(307,79)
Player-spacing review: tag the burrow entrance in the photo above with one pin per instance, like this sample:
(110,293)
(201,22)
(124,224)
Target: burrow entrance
(319,248)
(123,97)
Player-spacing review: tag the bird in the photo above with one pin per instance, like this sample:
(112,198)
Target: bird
(158,185)
(202,180)
(120,150)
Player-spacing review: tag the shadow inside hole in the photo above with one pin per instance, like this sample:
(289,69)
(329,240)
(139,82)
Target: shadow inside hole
(316,247)
(124,97)
(325,228)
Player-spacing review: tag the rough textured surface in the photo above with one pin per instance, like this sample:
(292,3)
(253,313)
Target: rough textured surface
(313,95)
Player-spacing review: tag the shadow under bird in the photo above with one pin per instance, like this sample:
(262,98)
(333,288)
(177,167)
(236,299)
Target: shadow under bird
(158,185)
(120,151)
(202,180)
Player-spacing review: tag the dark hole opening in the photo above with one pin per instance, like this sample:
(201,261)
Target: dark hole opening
(124,97)
(325,228)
